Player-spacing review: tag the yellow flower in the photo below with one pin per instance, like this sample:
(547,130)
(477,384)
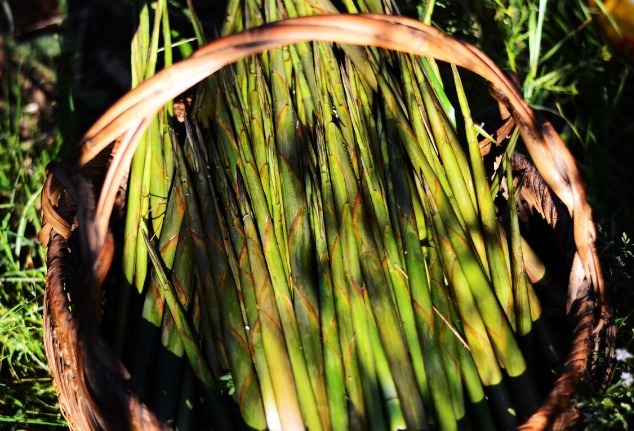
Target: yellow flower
(616,20)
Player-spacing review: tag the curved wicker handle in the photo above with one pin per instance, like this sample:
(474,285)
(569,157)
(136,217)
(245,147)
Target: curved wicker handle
(129,117)
(125,122)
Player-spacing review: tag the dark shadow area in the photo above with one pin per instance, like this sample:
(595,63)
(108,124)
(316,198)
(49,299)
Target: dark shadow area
(96,68)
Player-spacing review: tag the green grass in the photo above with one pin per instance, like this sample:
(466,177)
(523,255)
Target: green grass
(29,142)
(566,69)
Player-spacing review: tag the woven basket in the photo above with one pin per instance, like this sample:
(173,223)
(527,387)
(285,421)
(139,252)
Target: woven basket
(83,202)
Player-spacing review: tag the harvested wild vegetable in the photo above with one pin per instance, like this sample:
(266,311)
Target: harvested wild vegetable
(316,239)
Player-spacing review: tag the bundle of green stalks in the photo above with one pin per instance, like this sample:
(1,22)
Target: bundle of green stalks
(315,244)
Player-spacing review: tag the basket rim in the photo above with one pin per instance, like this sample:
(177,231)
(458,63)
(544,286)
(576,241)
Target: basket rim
(70,210)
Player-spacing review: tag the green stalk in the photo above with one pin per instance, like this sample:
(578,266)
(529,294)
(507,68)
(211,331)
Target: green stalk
(247,292)
(298,231)
(427,11)
(248,146)
(339,172)
(347,338)
(371,6)
(274,342)
(476,392)
(416,115)
(415,267)
(373,184)
(445,335)
(233,15)
(147,339)
(342,176)
(333,360)
(360,322)
(527,305)
(385,316)
(222,122)
(420,158)
(304,67)
(426,69)
(496,257)
(391,401)
(261,125)
(271,231)
(461,188)
(449,335)
(161,178)
(134,261)
(199,365)
(333,91)
(496,322)
(232,325)
(357,54)
(341,165)
(475,333)
(170,366)
(237,156)
(282,293)
(212,330)
(182,199)
(520,282)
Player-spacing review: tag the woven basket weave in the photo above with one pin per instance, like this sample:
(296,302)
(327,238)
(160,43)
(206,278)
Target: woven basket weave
(93,384)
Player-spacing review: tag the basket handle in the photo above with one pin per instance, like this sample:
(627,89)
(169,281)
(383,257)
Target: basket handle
(130,116)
